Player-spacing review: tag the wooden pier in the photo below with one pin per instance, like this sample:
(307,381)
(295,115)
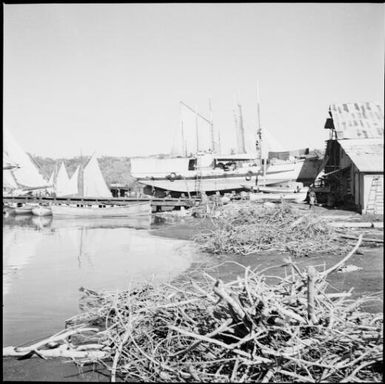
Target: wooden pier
(158,204)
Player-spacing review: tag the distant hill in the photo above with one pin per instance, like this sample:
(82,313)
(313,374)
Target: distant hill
(114,169)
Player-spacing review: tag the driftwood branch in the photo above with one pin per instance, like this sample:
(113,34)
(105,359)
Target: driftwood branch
(363,239)
(311,278)
(60,351)
(324,274)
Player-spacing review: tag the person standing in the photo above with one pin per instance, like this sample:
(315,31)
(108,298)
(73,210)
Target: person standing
(312,198)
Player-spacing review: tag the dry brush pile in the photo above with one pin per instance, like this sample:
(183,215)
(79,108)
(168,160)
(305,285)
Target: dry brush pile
(247,228)
(241,331)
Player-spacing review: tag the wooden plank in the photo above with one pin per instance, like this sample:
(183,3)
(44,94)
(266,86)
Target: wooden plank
(357,225)
(363,239)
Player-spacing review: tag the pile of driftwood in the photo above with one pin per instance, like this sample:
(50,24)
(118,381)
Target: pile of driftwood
(241,331)
(247,228)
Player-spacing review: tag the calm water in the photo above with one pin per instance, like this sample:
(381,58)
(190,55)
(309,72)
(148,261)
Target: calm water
(46,261)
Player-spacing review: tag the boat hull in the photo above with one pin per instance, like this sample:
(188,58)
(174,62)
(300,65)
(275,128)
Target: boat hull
(300,170)
(131,210)
(204,184)
(42,211)
(26,210)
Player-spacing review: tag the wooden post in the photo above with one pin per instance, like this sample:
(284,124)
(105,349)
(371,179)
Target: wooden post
(311,277)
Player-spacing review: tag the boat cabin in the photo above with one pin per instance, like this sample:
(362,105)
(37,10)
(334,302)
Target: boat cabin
(154,167)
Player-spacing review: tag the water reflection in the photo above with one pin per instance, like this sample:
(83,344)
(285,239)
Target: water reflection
(46,261)
(41,222)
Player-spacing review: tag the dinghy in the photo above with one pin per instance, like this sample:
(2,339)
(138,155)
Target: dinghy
(24,210)
(131,210)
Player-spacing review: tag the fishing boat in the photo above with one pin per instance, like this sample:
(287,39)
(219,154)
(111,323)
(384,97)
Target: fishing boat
(203,172)
(131,210)
(196,164)
(209,171)
(289,173)
(88,182)
(21,175)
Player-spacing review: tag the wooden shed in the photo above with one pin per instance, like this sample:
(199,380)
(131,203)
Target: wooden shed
(355,153)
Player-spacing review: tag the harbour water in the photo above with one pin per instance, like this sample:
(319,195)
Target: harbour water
(46,261)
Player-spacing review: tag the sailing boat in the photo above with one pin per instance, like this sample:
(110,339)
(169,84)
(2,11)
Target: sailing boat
(20,174)
(88,182)
(205,171)
(61,187)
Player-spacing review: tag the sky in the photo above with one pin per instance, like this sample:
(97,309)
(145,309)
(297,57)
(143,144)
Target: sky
(109,78)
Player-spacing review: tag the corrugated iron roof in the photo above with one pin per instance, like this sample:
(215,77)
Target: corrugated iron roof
(366,154)
(357,120)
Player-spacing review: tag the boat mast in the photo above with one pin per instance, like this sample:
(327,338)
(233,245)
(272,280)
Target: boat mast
(196,119)
(184,149)
(241,129)
(236,131)
(197,129)
(213,146)
(80,176)
(219,142)
(260,152)
(184,146)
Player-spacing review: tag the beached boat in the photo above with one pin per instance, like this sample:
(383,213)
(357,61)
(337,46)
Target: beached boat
(42,211)
(131,210)
(200,173)
(208,171)
(196,164)
(296,170)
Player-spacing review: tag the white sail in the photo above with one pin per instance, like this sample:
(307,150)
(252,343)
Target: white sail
(7,163)
(72,187)
(9,182)
(27,175)
(51,183)
(51,178)
(94,184)
(62,181)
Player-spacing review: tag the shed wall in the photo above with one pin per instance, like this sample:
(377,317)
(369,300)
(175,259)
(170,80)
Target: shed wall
(367,180)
